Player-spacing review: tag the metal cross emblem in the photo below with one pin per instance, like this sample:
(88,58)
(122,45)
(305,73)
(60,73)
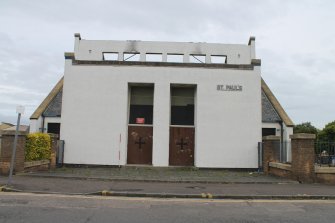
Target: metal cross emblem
(181,144)
(140,142)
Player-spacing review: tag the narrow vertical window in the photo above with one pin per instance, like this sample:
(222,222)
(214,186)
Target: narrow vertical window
(141,104)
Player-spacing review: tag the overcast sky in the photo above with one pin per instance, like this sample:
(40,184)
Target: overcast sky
(294,39)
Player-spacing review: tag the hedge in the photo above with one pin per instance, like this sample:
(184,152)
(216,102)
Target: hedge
(38,147)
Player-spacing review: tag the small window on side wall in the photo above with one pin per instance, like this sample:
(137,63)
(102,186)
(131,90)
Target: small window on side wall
(153,57)
(195,58)
(174,58)
(110,56)
(131,57)
(220,59)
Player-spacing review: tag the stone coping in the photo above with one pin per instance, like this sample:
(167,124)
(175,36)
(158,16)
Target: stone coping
(36,163)
(303,136)
(12,132)
(282,166)
(324,169)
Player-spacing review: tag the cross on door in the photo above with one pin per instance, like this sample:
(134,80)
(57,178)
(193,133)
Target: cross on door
(181,144)
(140,142)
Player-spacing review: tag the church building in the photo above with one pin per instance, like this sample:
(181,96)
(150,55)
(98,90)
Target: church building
(162,104)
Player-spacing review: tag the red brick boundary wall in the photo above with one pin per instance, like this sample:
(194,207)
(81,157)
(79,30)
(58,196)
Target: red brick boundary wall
(7,143)
(303,156)
(269,151)
(302,167)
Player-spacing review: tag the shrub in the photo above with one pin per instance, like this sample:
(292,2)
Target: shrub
(38,147)
(305,127)
(328,132)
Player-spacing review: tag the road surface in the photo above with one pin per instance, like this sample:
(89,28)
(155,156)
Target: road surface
(25,207)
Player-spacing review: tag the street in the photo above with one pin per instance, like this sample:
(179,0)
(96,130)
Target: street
(25,207)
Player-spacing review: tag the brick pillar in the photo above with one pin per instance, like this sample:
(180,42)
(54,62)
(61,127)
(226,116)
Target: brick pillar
(269,151)
(7,143)
(303,157)
(54,145)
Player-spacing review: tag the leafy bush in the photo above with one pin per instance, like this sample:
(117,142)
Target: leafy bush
(328,132)
(305,127)
(38,147)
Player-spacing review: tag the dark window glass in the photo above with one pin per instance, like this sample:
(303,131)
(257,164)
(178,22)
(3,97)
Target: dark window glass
(141,105)
(268,131)
(182,106)
(54,128)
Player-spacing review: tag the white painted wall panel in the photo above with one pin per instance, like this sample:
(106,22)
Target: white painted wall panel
(95,103)
(35,125)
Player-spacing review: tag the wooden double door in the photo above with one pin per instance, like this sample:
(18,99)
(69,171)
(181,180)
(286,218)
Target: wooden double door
(181,151)
(181,146)
(139,145)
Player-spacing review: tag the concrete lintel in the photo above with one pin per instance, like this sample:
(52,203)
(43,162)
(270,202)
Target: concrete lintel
(303,136)
(324,169)
(282,166)
(163,64)
(271,138)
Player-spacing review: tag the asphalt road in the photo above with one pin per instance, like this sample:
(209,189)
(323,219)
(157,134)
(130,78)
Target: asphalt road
(16,207)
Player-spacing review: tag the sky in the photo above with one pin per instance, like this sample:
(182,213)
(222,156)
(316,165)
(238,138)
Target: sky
(294,40)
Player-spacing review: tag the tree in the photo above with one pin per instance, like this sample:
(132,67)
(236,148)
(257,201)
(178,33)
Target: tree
(328,132)
(305,127)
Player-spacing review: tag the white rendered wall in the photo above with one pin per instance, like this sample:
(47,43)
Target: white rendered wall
(48,120)
(272,125)
(95,107)
(35,125)
(228,124)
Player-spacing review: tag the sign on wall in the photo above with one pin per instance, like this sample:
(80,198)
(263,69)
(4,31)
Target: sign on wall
(140,120)
(229,87)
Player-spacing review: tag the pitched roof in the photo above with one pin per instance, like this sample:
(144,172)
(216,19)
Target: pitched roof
(54,109)
(44,105)
(275,103)
(269,113)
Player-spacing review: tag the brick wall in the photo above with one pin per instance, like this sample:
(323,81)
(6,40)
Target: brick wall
(269,151)
(54,146)
(7,144)
(303,157)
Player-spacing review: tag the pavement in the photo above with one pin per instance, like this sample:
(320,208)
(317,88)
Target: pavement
(165,183)
(161,174)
